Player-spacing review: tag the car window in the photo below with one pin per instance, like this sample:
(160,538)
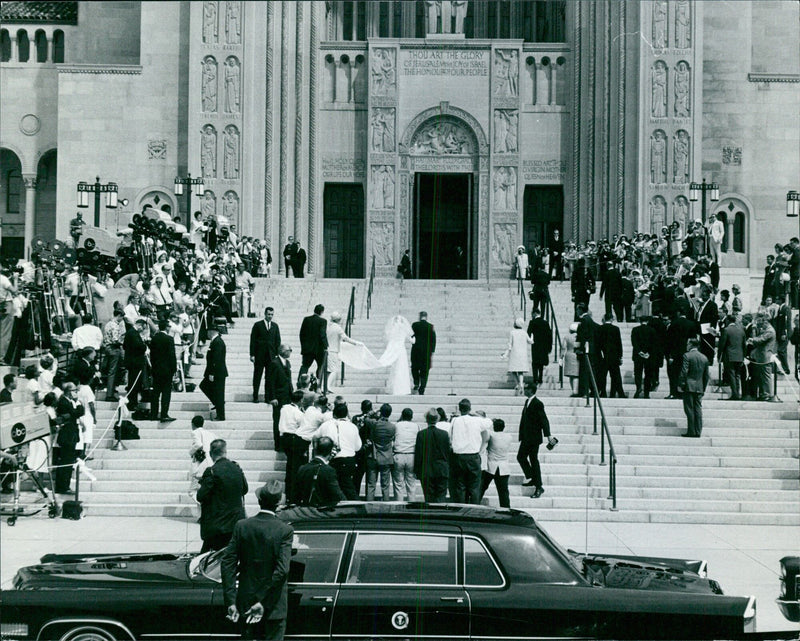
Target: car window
(315,557)
(403,559)
(530,558)
(479,568)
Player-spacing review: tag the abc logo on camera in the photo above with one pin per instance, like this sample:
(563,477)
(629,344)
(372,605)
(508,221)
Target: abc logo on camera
(21,423)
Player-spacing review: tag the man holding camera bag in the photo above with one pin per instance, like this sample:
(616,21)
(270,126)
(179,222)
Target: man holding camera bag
(533,426)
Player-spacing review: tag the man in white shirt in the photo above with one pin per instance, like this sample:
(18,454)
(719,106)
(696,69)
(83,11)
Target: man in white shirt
(8,290)
(345,437)
(294,447)
(87,335)
(716,230)
(468,435)
(405,439)
(245,284)
(131,310)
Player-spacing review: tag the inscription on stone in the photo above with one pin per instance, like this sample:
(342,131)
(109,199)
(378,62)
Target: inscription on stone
(445,63)
(553,169)
(343,167)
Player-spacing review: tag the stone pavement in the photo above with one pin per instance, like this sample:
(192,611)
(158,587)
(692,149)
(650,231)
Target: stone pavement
(744,558)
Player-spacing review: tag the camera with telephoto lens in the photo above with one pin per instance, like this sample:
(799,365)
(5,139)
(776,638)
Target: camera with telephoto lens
(552,444)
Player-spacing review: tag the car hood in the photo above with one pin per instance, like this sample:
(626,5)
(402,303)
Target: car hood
(646,573)
(99,570)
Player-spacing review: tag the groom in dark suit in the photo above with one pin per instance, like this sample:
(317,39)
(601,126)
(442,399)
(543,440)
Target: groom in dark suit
(164,365)
(279,388)
(258,555)
(533,427)
(422,351)
(313,341)
(213,383)
(265,341)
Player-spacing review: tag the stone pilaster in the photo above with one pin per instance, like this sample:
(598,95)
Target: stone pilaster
(29,180)
(312,137)
(299,65)
(268,127)
(284,132)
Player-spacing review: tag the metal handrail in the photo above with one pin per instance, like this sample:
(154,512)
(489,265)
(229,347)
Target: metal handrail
(371,287)
(550,317)
(351,313)
(523,302)
(605,434)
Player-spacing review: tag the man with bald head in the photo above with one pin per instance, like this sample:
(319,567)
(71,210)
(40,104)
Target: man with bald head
(279,388)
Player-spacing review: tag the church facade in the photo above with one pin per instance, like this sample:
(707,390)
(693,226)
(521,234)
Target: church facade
(455,130)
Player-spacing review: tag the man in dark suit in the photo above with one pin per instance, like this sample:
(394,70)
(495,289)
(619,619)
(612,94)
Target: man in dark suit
(692,382)
(220,496)
(539,330)
(164,365)
(289,252)
(708,318)
(611,289)
(731,353)
(556,247)
(540,280)
(135,348)
(431,459)
(313,341)
(213,383)
(643,339)
(586,344)
(533,426)
(68,411)
(609,347)
(424,345)
(279,388)
(265,341)
(299,262)
(316,483)
(258,555)
(680,330)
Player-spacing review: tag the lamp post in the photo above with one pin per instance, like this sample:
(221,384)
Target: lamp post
(109,189)
(697,191)
(190,184)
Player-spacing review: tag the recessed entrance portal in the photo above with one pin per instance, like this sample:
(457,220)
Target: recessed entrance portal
(444,229)
(343,238)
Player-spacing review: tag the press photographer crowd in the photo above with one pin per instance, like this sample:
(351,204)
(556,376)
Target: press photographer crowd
(85,316)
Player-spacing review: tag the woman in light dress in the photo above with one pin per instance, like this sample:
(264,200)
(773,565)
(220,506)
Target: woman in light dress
(522,262)
(570,358)
(518,353)
(336,336)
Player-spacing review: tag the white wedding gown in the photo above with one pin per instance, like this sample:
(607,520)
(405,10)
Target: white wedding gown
(398,331)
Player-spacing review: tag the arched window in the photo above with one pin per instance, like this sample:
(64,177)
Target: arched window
(5,45)
(23,46)
(739,230)
(725,240)
(14,193)
(40,40)
(58,46)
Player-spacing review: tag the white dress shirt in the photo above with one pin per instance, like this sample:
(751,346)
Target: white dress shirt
(343,433)
(468,433)
(497,450)
(87,336)
(291,419)
(312,419)
(405,437)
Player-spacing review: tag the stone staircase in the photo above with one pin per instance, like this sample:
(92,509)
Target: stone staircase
(743,470)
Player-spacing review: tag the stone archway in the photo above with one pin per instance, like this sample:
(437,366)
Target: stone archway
(446,140)
(738,215)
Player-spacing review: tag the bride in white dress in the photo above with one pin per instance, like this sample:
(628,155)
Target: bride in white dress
(398,332)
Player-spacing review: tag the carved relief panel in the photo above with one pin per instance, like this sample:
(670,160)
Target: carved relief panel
(658,157)
(383,76)
(382,126)
(658,89)
(504,186)
(208,206)
(506,73)
(210,23)
(230,142)
(208,151)
(658,213)
(208,84)
(680,210)
(233,22)
(230,206)
(680,157)
(683,24)
(232,85)
(504,239)
(443,136)
(382,187)
(381,238)
(681,91)
(506,134)
(659,27)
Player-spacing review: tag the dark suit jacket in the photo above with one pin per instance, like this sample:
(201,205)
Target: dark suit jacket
(612,285)
(609,343)
(539,330)
(587,335)
(259,552)
(220,495)
(424,341)
(326,490)
(264,344)
(313,335)
(279,382)
(215,359)
(533,423)
(68,433)
(694,372)
(134,349)
(643,339)
(680,331)
(431,454)
(162,357)
(732,344)
(83,371)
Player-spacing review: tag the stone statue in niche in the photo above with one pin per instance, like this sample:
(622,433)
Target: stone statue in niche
(659,24)
(232,85)
(230,144)
(382,71)
(208,151)
(504,184)
(383,187)
(680,157)
(441,138)
(506,71)
(233,22)
(503,243)
(505,131)
(230,206)
(432,10)
(658,213)
(682,90)
(683,24)
(210,24)
(680,210)
(382,236)
(658,108)
(658,158)
(209,204)
(459,14)
(383,129)
(208,84)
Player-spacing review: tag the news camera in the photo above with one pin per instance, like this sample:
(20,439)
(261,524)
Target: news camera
(21,423)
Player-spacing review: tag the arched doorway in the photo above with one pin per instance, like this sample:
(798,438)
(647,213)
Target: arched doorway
(736,215)
(12,205)
(46,189)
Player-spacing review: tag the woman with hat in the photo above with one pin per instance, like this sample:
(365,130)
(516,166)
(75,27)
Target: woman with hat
(521,261)
(517,354)
(569,361)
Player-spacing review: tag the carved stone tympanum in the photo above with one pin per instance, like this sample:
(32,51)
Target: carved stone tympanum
(442,137)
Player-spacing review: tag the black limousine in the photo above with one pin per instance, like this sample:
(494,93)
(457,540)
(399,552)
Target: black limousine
(387,571)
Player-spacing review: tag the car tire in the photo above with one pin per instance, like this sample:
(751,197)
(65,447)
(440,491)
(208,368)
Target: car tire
(88,633)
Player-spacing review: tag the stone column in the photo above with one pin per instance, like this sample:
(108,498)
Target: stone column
(283,186)
(14,47)
(30,209)
(268,130)
(312,137)
(553,80)
(51,53)
(300,54)
(409,20)
(373,19)
(729,234)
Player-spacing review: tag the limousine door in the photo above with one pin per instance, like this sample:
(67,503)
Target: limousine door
(402,585)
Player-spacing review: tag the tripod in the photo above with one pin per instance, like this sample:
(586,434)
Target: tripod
(15,509)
